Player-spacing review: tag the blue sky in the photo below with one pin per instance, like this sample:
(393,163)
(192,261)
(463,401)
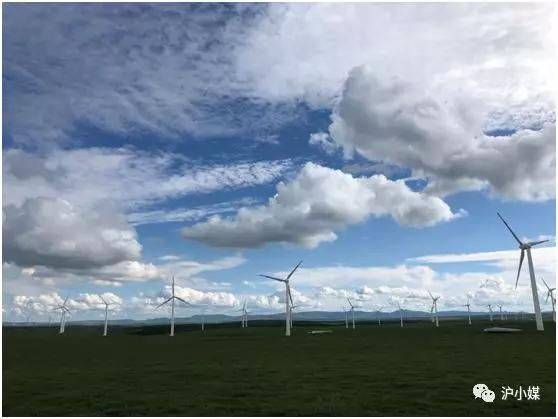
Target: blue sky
(218,142)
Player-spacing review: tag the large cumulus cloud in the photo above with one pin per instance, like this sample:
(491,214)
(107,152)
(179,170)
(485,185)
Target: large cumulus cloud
(442,139)
(307,210)
(53,232)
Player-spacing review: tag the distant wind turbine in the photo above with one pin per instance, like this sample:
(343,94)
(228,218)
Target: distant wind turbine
(490,311)
(379,310)
(468,310)
(64,310)
(203,319)
(105,329)
(352,310)
(400,314)
(171,299)
(288,297)
(550,294)
(526,247)
(346,317)
(244,319)
(435,307)
(501,312)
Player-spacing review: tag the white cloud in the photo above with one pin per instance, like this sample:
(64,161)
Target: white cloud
(55,233)
(307,210)
(441,139)
(501,53)
(128,176)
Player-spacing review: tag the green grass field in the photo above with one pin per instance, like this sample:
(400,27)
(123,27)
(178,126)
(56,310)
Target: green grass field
(229,371)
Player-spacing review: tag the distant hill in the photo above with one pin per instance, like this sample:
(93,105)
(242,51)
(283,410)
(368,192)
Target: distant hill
(324,316)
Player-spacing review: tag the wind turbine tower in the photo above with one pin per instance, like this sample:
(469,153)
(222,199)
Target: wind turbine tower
(63,310)
(400,314)
(288,297)
(346,318)
(468,311)
(490,311)
(171,300)
(105,330)
(435,306)
(352,310)
(551,294)
(501,312)
(526,248)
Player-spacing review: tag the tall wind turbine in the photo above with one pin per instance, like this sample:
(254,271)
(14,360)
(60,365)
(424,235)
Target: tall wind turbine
(435,307)
(291,313)
(501,312)
(203,319)
(64,310)
(526,247)
(346,318)
(288,297)
(400,314)
(550,294)
(106,316)
(171,299)
(468,310)
(352,310)
(490,311)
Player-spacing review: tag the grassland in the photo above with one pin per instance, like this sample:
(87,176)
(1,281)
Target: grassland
(226,371)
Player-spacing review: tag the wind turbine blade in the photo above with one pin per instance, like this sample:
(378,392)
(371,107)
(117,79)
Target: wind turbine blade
(103,299)
(535,243)
(272,277)
(542,279)
(293,271)
(290,296)
(351,304)
(547,295)
(509,228)
(163,303)
(431,296)
(180,299)
(520,263)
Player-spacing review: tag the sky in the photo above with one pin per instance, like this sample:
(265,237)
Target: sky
(217,142)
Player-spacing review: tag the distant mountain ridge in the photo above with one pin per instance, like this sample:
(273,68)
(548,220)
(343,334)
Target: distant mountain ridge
(297,316)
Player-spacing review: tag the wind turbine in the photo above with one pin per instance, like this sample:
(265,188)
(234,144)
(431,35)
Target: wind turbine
(244,319)
(379,318)
(400,314)
(435,307)
(64,310)
(550,294)
(526,247)
(291,313)
(352,310)
(490,311)
(468,310)
(501,313)
(288,297)
(106,316)
(171,299)
(28,312)
(203,319)
(346,318)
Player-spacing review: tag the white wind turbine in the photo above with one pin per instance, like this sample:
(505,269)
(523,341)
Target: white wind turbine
(203,319)
(64,310)
(526,247)
(379,310)
(291,313)
(400,313)
(244,318)
(352,310)
(105,329)
(346,317)
(501,312)
(288,297)
(468,310)
(490,311)
(550,294)
(435,307)
(171,299)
